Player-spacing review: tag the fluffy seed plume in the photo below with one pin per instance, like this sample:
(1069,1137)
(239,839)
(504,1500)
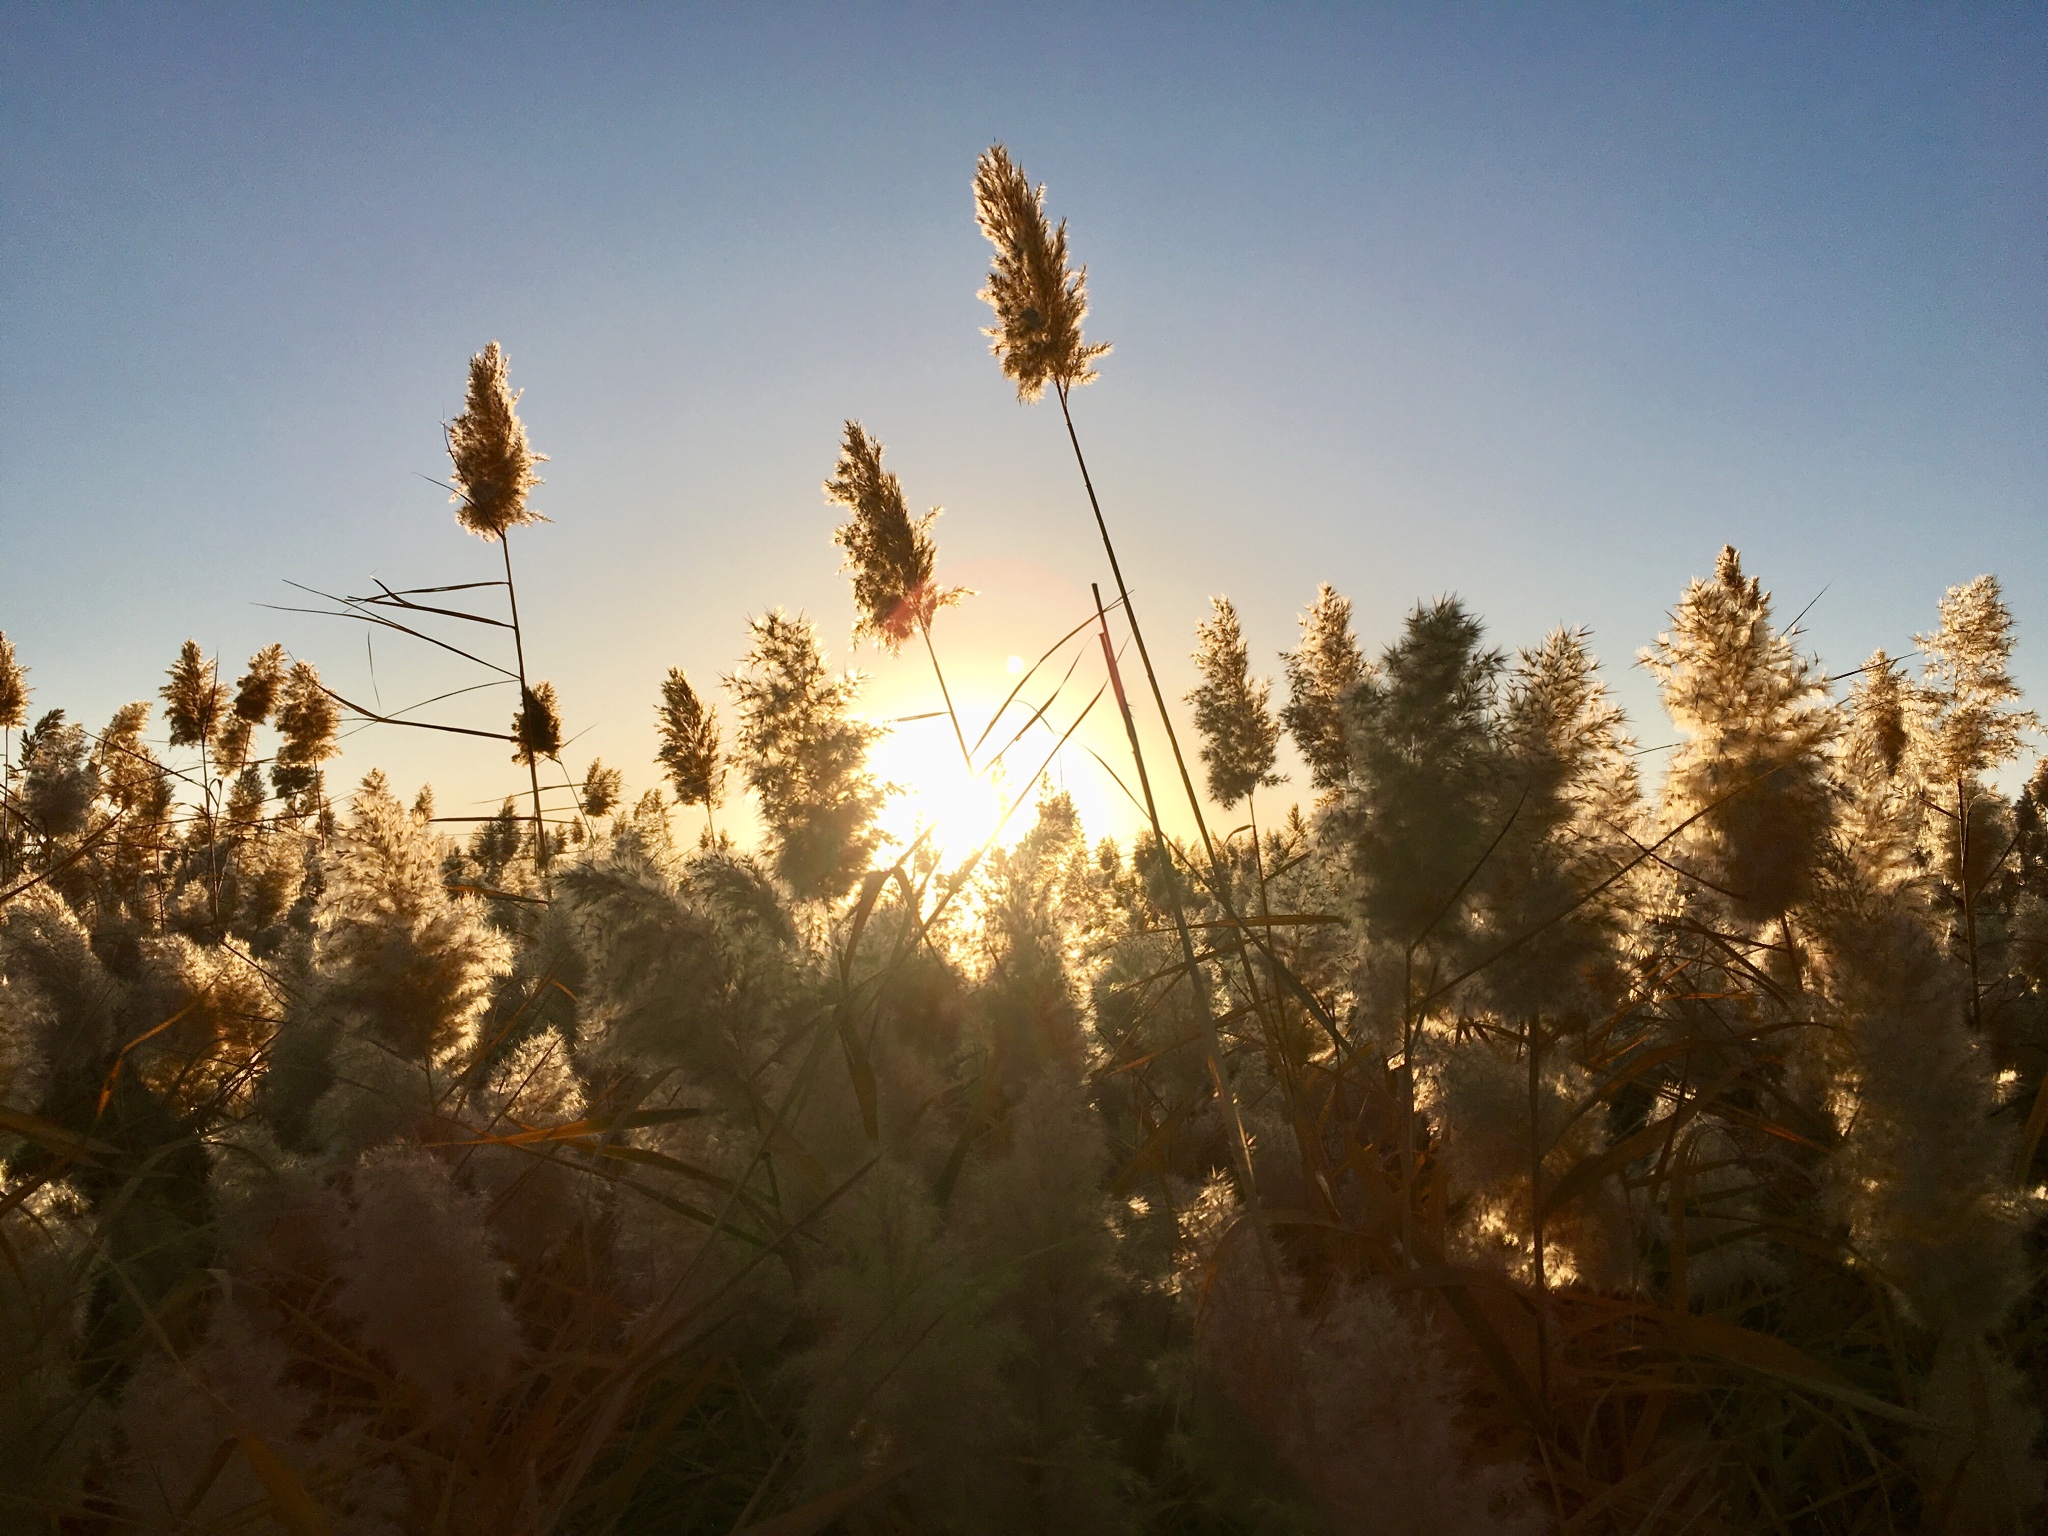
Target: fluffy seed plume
(255,697)
(493,461)
(256,692)
(889,556)
(193,698)
(1970,722)
(13,687)
(1322,671)
(689,742)
(601,787)
(537,728)
(1039,303)
(1756,712)
(412,966)
(1238,730)
(805,756)
(307,720)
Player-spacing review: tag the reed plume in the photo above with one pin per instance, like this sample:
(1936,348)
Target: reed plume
(307,720)
(255,697)
(890,556)
(1039,302)
(14,692)
(1232,709)
(1752,774)
(601,788)
(1322,671)
(193,698)
(537,728)
(805,757)
(688,728)
(14,689)
(493,462)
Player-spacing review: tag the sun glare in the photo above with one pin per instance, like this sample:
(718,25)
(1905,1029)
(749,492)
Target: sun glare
(934,789)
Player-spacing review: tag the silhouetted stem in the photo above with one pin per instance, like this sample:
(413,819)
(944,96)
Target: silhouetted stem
(540,830)
(958,734)
(1536,1207)
(1969,902)
(1240,1148)
(1137,635)
(206,815)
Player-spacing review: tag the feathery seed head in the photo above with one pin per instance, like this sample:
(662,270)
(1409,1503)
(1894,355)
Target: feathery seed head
(59,779)
(412,966)
(231,746)
(1753,773)
(1322,671)
(805,757)
(14,689)
(130,775)
(889,556)
(307,720)
(1039,303)
(410,1220)
(1968,722)
(1239,733)
(537,728)
(1877,713)
(493,461)
(193,698)
(256,693)
(601,787)
(689,742)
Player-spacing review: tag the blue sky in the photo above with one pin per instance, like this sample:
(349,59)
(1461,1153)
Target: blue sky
(1539,305)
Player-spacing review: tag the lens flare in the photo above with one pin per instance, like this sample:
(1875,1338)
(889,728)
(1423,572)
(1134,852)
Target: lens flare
(934,790)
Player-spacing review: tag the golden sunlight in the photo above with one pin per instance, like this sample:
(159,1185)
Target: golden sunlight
(934,790)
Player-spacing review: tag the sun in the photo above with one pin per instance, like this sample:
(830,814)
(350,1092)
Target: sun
(935,791)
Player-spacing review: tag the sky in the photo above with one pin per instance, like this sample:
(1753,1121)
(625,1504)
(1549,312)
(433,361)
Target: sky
(1538,305)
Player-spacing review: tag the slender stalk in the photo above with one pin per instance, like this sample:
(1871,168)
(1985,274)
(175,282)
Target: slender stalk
(1131,616)
(1219,887)
(1969,902)
(1239,1146)
(540,830)
(206,814)
(1251,810)
(958,735)
(1536,1206)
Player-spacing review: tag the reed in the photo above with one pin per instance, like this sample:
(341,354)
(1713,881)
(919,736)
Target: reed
(1499,1144)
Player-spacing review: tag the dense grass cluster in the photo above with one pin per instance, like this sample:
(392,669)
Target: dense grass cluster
(1501,1143)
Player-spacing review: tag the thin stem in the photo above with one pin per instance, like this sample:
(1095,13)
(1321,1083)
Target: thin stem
(540,831)
(1536,1206)
(1239,1147)
(206,803)
(1131,615)
(958,735)
(1969,902)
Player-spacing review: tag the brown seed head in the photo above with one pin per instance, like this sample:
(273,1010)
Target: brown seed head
(889,557)
(13,687)
(689,742)
(537,728)
(1039,303)
(487,445)
(194,698)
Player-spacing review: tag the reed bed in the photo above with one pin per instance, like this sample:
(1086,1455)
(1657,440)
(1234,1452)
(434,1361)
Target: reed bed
(1487,1142)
